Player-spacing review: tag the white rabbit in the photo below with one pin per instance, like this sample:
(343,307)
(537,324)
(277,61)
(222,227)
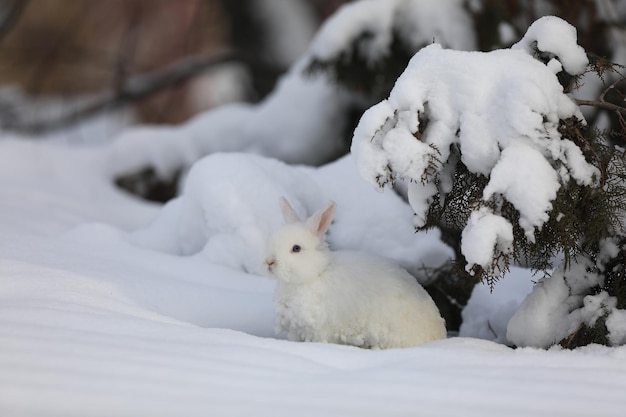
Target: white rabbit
(341,296)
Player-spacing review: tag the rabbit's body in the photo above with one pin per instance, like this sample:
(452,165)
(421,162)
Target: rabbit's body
(344,297)
(361,301)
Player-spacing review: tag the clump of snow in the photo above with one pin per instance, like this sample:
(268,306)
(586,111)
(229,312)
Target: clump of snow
(420,196)
(228,208)
(596,306)
(559,304)
(522,169)
(348,23)
(500,110)
(615,324)
(552,310)
(553,35)
(484,231)
(581,171)
(374,23)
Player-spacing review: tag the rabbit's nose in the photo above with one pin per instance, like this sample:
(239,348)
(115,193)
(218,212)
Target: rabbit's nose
(270,263)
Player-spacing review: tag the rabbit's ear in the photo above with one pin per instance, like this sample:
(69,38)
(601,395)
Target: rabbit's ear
(289,214)
(319,222)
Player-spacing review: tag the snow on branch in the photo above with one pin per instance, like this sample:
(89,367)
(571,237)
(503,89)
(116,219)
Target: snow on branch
(555,41)
(367,44)
(498,114)
(370,27)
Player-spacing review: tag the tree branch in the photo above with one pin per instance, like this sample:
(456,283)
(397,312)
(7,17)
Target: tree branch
(134,88)
(601,102)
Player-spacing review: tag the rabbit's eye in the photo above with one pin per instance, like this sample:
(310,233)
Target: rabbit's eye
(296,249)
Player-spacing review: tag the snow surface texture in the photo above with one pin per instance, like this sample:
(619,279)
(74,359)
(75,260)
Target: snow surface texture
(516,145)
(93,325)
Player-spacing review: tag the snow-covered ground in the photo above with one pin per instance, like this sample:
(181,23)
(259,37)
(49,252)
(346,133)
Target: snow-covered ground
(96,322)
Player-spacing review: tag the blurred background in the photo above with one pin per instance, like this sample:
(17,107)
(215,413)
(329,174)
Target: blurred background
(67,65)
(62,61)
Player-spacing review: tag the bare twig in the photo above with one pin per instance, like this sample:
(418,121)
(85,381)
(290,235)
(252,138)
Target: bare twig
(601,104)
(601,101)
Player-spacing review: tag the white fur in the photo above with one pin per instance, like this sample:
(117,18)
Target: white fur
(344,297)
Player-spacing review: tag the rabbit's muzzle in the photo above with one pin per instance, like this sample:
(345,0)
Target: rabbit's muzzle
(269,263)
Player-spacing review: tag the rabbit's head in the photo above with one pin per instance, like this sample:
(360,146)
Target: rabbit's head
(297,252)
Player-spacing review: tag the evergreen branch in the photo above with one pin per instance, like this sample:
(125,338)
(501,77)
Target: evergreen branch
(622,121)
(572,129)
(611,87)
(567,342)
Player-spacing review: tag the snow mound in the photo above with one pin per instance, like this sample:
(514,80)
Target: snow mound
(488,311)
(438,109)
(560,304)
(301,121)
(550,312)
(229,206)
